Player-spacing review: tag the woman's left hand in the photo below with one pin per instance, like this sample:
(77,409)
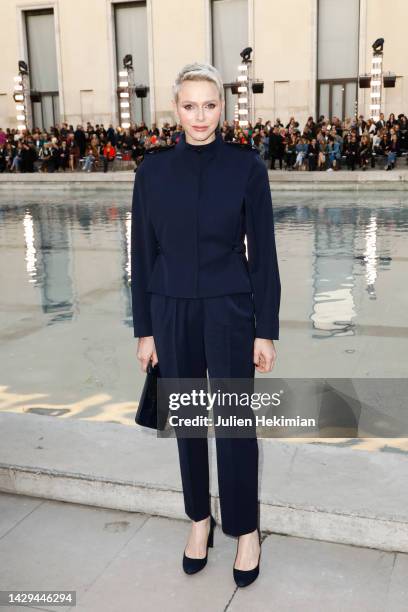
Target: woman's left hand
(264,354)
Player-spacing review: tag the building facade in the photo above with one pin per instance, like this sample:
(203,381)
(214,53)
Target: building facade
(308,54)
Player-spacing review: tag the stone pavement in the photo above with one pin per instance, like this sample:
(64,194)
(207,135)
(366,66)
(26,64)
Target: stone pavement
(322,491)
(120,561)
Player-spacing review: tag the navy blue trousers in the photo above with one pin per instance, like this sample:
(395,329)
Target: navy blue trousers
(194,336)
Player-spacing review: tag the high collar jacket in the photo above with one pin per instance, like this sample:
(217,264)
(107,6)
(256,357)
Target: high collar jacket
(195,209)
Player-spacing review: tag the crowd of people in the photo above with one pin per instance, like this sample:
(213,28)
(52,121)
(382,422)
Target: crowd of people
(331,145)
(320,145)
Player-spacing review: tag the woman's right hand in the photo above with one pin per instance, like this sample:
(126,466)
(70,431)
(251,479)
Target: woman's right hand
(146,350)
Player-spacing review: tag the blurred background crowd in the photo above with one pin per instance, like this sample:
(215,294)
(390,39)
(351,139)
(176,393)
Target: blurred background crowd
(322,144)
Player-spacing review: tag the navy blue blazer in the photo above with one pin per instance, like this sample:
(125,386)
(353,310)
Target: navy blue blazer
(192,207)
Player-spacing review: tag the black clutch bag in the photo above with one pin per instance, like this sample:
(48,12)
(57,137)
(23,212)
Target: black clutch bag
(148,414)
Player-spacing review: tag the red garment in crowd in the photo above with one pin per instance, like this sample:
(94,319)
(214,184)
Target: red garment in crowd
(109,153)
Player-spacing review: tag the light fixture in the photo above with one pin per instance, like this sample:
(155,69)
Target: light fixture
(22,67)
(128,62)
(246,54)
(378,45)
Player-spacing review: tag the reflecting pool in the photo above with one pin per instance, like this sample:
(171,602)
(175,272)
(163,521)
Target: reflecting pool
(67,346)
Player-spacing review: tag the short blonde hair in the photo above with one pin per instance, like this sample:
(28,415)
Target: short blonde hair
(198,72)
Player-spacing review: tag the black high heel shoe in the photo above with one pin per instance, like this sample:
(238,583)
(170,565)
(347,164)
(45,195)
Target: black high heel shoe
(191,565)
(244,577)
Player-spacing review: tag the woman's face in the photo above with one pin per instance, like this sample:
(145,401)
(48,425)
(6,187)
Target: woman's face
(198,106)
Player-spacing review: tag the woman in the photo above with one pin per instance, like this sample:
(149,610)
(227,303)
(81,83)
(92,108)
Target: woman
(365,152)
(391,121)
(195,294)
(290,151)
(392,150)
(352,151)
(312,155)
(321,158)
(334,152)
(63,156)
(301,152)
(109,154)
(91,156)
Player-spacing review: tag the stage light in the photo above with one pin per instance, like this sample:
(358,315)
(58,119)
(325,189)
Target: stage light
(257,87)
(389,79)
(141,91)
(20,95)
(364,81)
(246,54)
(22,67)
(128,61)
(378,45)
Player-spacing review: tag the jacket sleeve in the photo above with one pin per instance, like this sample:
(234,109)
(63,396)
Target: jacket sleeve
(143,255)
(262,257)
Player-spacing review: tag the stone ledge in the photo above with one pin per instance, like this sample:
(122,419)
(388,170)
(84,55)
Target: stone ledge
(317,491)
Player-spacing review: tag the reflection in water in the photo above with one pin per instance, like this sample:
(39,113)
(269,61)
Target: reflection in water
(66,262)
(349,247)
(333,301)
(31,258)
(370,255)
(48,259)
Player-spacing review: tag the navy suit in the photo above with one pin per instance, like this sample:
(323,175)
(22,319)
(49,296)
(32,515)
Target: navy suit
(204,302)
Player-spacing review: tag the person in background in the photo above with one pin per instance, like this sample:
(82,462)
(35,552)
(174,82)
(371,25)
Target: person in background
(392,150)
(301,152)
(290,151)
(90,158)
(321,158)
(352,151)
(334,152)
(312,155)
(17,158)
(63,156)
(276,148)
(109,154)
(365,152)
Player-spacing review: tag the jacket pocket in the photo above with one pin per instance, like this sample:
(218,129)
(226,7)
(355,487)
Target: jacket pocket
(241,305)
